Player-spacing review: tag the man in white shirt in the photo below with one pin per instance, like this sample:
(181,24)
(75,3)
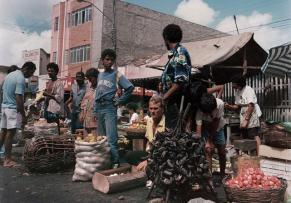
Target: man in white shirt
(250,112)
(210,124)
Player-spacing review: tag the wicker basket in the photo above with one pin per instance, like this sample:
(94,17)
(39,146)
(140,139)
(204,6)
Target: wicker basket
(277,138)
(45,154)
(255,195)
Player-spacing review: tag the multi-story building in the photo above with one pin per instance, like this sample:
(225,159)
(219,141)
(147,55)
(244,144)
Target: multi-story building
(80,31)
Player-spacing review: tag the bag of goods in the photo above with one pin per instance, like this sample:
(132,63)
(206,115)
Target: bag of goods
(92,154)
(254,186)
(43,128)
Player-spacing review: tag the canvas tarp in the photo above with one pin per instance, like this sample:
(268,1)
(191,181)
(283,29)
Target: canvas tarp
(278,62)
(212,51)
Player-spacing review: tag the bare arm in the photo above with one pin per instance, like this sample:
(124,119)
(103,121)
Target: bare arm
(20,108)
(217,89)
(214,126)
(234,107)
(175,87)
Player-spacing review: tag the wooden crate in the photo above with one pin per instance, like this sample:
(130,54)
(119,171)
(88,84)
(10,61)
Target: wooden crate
(126,178)
(277,153)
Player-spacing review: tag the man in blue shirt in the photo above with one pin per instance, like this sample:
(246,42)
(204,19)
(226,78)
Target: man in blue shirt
(106,103)
(77,94)
(12,104)
(176,75)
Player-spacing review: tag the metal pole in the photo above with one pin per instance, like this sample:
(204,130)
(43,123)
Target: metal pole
(114,37)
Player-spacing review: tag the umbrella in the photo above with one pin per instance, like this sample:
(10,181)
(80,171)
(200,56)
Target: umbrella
(278,62)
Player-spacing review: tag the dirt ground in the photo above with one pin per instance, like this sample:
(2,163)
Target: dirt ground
(19,185)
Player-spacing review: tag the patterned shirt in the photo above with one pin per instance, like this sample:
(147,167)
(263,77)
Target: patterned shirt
(56,88)
(178,69)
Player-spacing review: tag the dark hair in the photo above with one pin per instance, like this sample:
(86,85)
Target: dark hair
(108,52)
(12,68)
(239,80)
(92,72)
(173,33)
(131,106)
(29,65)
(207,103)
(80,74)
(53,66)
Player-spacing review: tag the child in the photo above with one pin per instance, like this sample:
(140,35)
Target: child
(106,102)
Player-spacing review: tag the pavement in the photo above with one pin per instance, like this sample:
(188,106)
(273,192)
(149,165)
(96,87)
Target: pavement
(19,185)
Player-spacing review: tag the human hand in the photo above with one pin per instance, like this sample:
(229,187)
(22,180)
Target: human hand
(244,124)
(142,165)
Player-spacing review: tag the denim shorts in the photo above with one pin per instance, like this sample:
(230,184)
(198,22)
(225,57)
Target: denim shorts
(218,138)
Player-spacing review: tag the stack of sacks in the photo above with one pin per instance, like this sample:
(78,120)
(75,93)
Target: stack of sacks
(92,154)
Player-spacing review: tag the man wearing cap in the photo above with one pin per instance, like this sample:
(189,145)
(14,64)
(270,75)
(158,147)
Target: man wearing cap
(77,94)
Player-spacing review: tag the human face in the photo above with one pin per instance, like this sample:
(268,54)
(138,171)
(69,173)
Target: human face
(80,80)
(156,111)
(28,72)
(108,62)
(51,73)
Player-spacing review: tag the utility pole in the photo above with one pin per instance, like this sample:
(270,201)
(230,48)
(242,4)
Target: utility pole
(114,34)
(234,17)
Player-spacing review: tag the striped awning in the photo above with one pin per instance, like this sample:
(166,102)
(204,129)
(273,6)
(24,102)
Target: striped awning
(278,62)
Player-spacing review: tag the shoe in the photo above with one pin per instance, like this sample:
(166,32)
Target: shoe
(16,144)
(114,166)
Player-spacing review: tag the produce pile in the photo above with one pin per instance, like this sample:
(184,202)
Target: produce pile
(176,161)
(138,125)
(42,128)
(92,154)
(254,178)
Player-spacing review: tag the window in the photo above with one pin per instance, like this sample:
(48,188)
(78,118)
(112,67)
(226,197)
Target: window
(79,54)
(56,25)
(81,16)
(66,57)
(55,57)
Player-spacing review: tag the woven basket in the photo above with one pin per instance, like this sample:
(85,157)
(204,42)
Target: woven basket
(255,195)
(277,138)
(45,154)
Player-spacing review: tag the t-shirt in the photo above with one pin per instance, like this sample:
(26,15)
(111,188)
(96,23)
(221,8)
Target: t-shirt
(14,84)
(150,135)
(133,118)
(107,86)
(217,113)
(244,97)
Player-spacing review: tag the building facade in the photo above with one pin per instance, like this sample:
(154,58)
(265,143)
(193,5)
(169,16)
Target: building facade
(80,32)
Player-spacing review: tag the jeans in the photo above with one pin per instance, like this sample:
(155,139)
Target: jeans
(75,122)
(171,114)
(107,125)
(135,157)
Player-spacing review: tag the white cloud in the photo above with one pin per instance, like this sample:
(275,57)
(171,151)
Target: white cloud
(14,41)
(24,25)
(266,35)
(196,11)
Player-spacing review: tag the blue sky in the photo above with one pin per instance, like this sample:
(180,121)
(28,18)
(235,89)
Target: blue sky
(25,24)
(270,20)
(278,8)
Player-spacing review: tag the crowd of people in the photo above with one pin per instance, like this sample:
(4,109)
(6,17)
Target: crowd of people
(94,104)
